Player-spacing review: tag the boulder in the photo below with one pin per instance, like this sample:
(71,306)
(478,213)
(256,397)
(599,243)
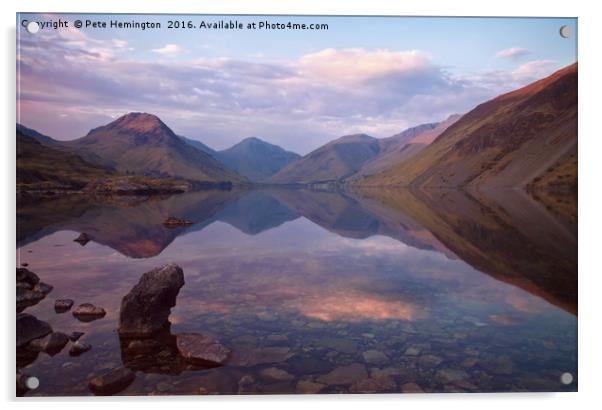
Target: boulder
(74,336)
(202,350)
(25,275)
(112,382)
(82,239)
(30,328)
(62,305)
(145,309)
(52,343)
(27,297)
(87,312)
(78,348)
(43,288)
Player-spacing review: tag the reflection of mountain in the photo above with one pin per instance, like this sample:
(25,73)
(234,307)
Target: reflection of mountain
(505,234)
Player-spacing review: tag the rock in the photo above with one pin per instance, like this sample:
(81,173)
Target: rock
(277,338)
(413,351)
(375,357)
(62,305)
(172,222)
(345,375)
(340,345)
(380,385)
(74,336)
(202,350)
(25,275)
(78,348)
(450,375)
(376,373)
(87,312)
(246,384)
(307,387)
(276,374)
(22,383)
(429,361)
(263,355)
(145,309)
(43,288)
(30,328)
(25,264)
(82,239)
(411,388)
(27,297)
(469,362)
(112,382)
(52,343)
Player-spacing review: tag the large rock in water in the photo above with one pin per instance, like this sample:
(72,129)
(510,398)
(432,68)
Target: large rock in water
(145,310)
(29,328)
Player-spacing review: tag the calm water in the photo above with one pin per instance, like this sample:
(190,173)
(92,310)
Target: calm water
(387,291)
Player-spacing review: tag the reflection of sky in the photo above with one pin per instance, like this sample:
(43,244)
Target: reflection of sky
(298,89)
(297,267)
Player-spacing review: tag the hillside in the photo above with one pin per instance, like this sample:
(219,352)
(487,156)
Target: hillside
(331,162)
(513,140)
(256,159)
(142,144)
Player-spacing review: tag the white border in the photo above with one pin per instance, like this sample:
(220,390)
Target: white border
(590,150)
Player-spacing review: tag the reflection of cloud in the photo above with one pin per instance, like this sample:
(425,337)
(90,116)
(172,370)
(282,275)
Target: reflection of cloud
(506,319)
(524,303)
(354,306)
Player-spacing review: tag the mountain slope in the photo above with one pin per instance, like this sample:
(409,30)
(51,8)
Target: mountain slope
(509,141)
(405,145)
(44,139)
(38,164)
(200,146)
(142,144)
(256,159)
(331,162)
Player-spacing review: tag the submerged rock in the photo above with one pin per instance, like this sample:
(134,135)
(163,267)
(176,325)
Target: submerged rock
(52,343)
(87,312)
(82,239)
(78,348)
(450,375)
(62,305)
(275,373)
(202,350)
(307,387)
(411,388)
(375,357)
(345,375)
(378,385)
(30,328)
(145,309)
(112,382)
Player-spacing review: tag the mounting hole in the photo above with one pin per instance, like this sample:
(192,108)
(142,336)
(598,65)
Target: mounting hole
(566,378)
(32,383)
(565,31)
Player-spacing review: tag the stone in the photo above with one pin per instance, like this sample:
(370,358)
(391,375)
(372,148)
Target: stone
(27,297)
(263,355)
(87,312)
(276,374)
(62,305)
(411,388)
(379,385)
(52,343)
(112,382)
(375,357)
(340,345)
(82,239)
(429,361)
(469,362)
(172,222)
(43,288)
(202,350)
(376,373)
(345,375)
(145,309)
(30,328)
(450,375)
(500,365)
(74,336)
(308,387)
(413,351)
(27,276)
(78,348)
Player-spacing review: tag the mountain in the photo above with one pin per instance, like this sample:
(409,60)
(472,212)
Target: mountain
(256,159)
(526,138)
(44,139)
(331,162)
(142,144)
(40,165)
(200,146)
(405,145)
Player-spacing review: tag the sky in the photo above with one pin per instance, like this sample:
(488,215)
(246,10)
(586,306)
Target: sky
(295,88)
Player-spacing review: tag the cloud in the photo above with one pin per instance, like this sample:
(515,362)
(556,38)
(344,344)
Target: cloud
(513,53)
(168,49)
(533,70)
(298,103)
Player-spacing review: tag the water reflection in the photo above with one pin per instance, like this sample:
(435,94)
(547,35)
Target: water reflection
(454,291)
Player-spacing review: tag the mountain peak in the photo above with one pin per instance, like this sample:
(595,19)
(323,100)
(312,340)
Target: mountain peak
(139,122)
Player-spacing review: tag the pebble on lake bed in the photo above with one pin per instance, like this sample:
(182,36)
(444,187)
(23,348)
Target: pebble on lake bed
(62,305)
(87,312)
(78,348)
(112,382)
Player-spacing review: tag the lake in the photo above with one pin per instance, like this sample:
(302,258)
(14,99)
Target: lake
(318,291)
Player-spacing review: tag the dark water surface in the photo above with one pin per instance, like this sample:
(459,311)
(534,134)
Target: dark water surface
(318,291)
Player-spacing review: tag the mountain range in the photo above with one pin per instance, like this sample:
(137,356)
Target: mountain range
(523,139)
